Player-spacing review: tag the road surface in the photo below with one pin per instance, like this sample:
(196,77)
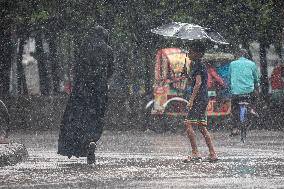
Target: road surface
(134,159)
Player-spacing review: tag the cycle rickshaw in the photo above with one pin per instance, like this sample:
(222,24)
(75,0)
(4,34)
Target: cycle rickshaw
(167,108)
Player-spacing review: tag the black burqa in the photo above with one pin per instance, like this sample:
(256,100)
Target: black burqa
(82,120)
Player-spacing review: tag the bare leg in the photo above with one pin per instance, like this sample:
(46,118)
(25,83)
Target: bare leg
(191,135)
(208,140)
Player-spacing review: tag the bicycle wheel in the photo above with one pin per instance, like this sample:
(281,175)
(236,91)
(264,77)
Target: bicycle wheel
(156,123)
(175,123)
(243,122)
(4,120)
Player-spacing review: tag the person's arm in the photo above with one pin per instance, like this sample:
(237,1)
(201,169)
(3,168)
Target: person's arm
(210,79)
(195,90)
(218,78)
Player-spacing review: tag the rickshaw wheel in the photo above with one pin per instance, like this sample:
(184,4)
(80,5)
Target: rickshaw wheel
(4,120)
(156,123)
(175,123)
(219,123)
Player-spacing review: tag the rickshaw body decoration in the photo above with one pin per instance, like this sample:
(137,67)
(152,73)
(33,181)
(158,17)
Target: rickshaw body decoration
(171,86)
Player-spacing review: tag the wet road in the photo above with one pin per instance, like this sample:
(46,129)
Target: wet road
(148,160)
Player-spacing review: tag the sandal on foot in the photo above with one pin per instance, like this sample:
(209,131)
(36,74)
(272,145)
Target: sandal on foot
(192,159)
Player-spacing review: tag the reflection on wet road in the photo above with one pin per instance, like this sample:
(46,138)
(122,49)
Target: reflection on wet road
(147,160)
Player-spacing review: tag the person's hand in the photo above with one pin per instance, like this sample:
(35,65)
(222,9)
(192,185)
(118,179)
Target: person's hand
(190,104)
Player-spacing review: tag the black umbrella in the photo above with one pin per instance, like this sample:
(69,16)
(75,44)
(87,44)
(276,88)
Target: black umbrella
(189,32)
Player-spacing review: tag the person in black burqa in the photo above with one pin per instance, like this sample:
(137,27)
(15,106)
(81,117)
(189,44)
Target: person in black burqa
(82,123)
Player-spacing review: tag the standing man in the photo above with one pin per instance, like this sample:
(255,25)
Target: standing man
(82,123)
(244,84)
(197,104)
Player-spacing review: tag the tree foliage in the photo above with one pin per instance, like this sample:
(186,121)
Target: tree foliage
(130,22)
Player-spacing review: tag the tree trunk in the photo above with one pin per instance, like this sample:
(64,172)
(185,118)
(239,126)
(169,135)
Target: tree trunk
(54,64)
(264,73)
(21,78)
(5,58)
(6,47)
(42,68)
(5,63)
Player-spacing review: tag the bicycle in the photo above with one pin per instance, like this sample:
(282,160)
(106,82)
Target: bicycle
(243,120)
(245,117)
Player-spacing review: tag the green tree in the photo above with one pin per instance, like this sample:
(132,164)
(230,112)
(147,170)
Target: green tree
(243,22)
(7,8)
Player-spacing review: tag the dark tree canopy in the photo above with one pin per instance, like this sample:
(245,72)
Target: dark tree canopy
(129,22)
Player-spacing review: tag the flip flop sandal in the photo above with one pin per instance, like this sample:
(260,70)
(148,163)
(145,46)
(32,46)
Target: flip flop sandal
(192,159)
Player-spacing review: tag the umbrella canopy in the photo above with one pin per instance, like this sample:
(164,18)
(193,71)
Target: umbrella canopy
(189,32)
